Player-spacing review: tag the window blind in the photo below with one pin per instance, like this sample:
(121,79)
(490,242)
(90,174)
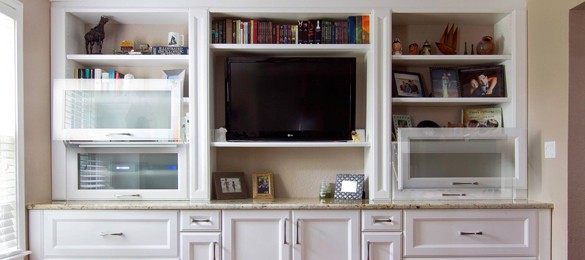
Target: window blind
(8,237)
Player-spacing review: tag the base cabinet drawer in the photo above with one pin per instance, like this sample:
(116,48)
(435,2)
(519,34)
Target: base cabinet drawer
(110,233)
(471,233)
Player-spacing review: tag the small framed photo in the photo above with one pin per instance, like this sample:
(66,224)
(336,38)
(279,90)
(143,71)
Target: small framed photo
(349,186)
(407,84)
(401,121)
(230,185)
(445,82)
(487,81)
(262,186)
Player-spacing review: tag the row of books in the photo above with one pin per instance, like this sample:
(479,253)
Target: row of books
(353,30)
(95,73)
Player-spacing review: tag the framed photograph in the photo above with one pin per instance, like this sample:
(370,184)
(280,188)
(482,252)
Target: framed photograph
(487,81)
(407,84)
(401,121)
(445,82)
(230,185)
(349,186)
(262,186)
(482,117)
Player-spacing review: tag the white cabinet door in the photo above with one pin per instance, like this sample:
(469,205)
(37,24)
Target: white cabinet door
(256,234)
(326,234)
(381,246)
(200,246)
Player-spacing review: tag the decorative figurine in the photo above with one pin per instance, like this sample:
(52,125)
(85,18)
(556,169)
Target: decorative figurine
(413,49)
(96,35)
(448,43)
(465,53)
(486,46)
(396,47)
(472,50)
(426,49)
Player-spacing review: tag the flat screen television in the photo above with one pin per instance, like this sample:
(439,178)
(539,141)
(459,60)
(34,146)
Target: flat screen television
(290,98)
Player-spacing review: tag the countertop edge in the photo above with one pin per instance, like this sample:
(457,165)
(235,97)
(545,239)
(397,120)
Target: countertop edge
(308,204)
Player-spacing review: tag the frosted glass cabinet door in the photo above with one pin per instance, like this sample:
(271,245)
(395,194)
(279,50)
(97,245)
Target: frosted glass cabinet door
(126,173)
(137,109)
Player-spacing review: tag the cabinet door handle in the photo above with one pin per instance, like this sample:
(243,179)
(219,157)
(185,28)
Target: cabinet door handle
(198,220)
(368,251)
(114,134)
(453,194)
(465,183)
(470,233)
(214,250)
(285,242)
(383,220)
(121,196)
(298,224)
(119,234)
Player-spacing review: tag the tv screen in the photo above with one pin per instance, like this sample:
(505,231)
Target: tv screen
(292,99)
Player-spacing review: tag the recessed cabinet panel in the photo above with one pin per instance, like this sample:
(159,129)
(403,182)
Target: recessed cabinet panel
(100,110)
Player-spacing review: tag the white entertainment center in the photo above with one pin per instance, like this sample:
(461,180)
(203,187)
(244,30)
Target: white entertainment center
(399,219)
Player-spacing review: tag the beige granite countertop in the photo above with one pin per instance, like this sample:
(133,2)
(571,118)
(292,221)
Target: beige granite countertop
(294,204)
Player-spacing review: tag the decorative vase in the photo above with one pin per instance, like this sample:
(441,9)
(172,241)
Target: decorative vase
(486,46)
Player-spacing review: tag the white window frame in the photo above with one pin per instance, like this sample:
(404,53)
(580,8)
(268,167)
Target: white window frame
(14,10)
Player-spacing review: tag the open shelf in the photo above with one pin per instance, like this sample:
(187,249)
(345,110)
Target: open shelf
(448,60)
(448,101)
(291,144)
(130,60)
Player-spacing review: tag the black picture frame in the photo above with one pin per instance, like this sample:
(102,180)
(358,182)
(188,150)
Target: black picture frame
(445,82)
(407,84)
(482,81)
(349,186)
(230,185)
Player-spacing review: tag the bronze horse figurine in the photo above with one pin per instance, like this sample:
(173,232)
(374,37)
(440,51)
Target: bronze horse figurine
(96,35)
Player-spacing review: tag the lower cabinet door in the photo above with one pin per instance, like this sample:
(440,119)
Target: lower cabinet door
(200,246)
(256,235)
(381,246)
(326,234)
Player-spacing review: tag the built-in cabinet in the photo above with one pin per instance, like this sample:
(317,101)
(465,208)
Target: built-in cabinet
(368,234)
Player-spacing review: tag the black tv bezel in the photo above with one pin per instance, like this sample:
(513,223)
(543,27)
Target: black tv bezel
(309,136)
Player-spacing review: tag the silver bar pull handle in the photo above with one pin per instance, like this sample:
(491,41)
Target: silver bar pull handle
(298,224)
(119,234)
(453,194)
(465,183)
(199,220)
(388,220)
(470,233)
(124,134)
(121,196)
(285,241)
(214,250)
(368,249)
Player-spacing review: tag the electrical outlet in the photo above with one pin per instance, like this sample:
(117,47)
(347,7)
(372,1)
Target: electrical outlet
(549,150)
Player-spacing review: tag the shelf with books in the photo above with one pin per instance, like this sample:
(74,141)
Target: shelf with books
(292,48)
(130,60)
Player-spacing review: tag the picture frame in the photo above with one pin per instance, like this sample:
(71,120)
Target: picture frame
(401,121)
(349,186)
(230,185)
(445,82)
(484,81)
(174,74)
(407,84)
(262,186)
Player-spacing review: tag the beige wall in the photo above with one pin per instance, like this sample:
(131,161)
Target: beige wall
(548,74)
(37,100)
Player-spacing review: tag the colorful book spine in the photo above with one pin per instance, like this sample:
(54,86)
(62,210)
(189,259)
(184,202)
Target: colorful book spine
(351,29)
(365,29)
(358,30)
